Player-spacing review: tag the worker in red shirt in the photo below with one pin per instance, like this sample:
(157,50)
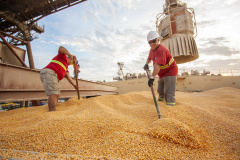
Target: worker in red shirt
(164,66)
(55,71)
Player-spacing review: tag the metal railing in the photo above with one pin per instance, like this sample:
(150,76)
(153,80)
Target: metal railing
(212,72)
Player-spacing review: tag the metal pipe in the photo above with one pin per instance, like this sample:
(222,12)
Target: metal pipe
(30,56)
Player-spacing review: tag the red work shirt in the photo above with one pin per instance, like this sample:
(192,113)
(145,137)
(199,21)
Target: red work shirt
(57,68)
(162,56)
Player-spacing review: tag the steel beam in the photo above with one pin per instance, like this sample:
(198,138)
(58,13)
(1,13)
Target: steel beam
(13,37)
(24,84)
(28,95)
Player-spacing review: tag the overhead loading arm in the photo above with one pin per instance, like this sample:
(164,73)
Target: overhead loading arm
(177,29)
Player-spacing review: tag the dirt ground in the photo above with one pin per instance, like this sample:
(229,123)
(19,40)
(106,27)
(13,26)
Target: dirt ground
(204,125)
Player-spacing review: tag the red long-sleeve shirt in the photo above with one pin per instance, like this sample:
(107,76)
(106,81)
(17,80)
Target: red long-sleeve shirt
(162,56)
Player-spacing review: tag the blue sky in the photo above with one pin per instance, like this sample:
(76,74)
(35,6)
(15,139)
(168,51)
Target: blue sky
(103,32)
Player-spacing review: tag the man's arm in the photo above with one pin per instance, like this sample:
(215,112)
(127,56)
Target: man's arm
(63,50)
(156,69)
(148,61)
(69,78)
(146,67)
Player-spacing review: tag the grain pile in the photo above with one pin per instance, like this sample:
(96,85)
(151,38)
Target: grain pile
(201,126)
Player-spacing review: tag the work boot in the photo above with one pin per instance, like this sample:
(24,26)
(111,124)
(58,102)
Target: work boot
(161,99)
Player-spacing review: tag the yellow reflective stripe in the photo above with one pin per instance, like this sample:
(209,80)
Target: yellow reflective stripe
(170,103)
(167,65)
(54,61)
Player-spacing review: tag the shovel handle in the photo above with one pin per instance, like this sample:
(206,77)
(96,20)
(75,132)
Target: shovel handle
(75,70)
(154,98)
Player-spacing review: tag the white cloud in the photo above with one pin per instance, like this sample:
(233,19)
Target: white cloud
(232,64)
(229,2)
(124,18)
(130,4)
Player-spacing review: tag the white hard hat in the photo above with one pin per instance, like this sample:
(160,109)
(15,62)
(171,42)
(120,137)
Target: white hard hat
(152,35)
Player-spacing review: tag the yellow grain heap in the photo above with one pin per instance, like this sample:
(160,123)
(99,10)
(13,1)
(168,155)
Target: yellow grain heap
(201,126)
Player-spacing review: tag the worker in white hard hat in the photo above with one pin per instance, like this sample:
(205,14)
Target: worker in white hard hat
(164,66)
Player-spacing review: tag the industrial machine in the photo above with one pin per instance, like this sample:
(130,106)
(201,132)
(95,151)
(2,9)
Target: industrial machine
(122,77)
(177,29)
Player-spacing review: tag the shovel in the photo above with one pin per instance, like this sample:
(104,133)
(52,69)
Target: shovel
(154,98)
(75,70)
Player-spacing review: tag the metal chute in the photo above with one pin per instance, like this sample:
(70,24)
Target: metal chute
(177,29)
